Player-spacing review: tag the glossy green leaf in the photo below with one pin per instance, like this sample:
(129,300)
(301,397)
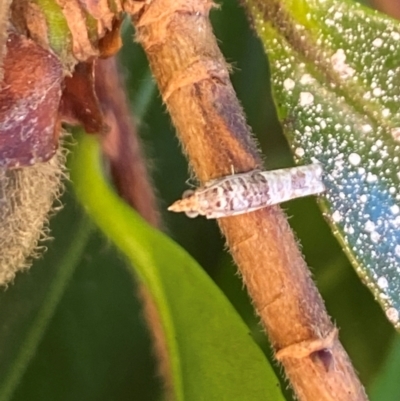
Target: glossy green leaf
(336,79)
(211,353)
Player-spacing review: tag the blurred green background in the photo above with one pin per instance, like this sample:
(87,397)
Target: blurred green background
(94,344)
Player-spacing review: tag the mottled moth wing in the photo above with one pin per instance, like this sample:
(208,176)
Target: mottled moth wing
(242,193)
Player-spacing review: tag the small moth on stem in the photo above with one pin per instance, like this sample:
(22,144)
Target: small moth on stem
(242,193)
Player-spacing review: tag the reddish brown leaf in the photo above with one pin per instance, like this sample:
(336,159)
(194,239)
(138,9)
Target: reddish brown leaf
(111,42)
(102,11)
(86,41)
(29,99)
(79,103)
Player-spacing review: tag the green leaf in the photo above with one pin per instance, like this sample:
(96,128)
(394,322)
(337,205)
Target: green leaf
(211,353)
(29,304)
(336,71)
(96,346)
(59,34)
(386,386)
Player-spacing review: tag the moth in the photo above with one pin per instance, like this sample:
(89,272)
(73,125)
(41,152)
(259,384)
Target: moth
(243,193)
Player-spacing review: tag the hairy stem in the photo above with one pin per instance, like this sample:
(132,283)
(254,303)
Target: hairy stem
(194,82)
(4,12)
(121,144)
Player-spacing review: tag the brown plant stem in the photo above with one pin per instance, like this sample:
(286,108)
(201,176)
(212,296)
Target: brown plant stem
(121,143)
(4,15)
(194,81)
(389,7)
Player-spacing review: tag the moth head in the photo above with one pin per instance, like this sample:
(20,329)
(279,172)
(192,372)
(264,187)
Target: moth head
(187,204)
(189,213)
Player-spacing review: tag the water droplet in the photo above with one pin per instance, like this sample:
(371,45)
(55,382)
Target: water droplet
(306,98)
(393,315)
(378,42)
(382,282)
(288,84)
(354,159)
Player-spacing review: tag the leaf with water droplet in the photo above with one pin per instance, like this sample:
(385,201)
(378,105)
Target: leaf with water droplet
(335,70)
